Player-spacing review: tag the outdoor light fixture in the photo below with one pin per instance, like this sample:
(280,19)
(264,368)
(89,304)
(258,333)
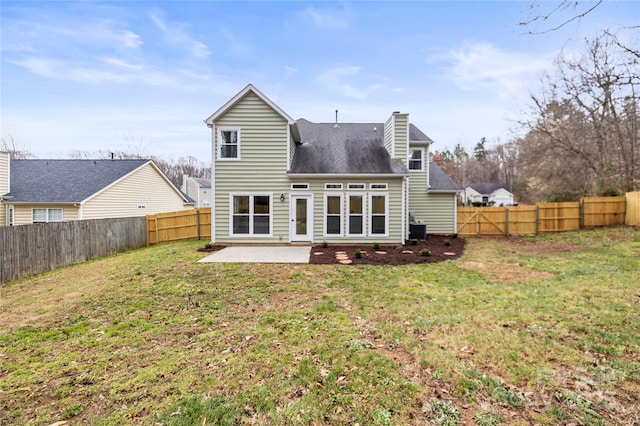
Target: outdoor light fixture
(282,197)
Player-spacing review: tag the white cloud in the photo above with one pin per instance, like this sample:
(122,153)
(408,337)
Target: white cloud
(327,19)
(481,66)
(176,34)
(349,81)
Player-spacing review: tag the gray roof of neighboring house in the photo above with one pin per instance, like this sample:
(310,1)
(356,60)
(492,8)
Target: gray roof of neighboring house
(487,188)
(65,181)
(202,182)
(439,180)
(349,148)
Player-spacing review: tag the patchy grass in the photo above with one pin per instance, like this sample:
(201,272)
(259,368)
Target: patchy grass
(540,330)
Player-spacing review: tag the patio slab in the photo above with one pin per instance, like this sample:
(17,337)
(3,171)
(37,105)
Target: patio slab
(259,254)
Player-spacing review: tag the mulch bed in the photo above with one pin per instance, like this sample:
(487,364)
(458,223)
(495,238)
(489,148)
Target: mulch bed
(390,255)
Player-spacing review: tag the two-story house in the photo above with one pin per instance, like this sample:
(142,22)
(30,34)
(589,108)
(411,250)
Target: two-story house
(275,179)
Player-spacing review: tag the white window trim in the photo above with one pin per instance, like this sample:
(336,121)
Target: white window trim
(47,214)
(305,187)
(219,130)
(327,188)
(347,213)
(357,186)
(386,214)
(422,152)
(385,187)
(251,196)
(324,216)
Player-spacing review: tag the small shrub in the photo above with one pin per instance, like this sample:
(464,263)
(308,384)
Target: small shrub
(357,253)
(447,242)
(425,252)
(454,236)
(414,242)
(376,246)
(208,245)
(325,244)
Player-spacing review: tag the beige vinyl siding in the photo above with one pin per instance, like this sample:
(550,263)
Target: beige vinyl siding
(4,172)
(393,191)
(262,166)
(145,186)
(3,214)
(388,135)
(437,210)
(23,213)
(401,137)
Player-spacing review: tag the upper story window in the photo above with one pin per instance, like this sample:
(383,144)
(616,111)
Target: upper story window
(46,215)
(416,160)
(332,186)
(299,186)
(229,143)
(356,186)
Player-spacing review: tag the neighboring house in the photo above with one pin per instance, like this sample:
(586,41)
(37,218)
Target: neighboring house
(280,180)
(36,191)
(487,194)
(198,189)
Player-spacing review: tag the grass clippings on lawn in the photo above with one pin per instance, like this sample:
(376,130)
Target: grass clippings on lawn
(152,337)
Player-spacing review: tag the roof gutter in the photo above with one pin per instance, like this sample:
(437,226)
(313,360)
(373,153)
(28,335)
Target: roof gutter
(346,175)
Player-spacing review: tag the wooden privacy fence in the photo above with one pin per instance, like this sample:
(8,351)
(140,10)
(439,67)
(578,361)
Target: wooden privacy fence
(28,250)
(178,226)
(542,218)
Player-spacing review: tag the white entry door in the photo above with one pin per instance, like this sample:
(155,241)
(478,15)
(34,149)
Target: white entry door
(301,218)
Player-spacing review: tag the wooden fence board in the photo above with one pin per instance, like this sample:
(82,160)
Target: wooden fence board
(603,211)
(28,250)
(632,216)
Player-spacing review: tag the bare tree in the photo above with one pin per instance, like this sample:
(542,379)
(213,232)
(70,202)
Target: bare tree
(9,144)
(585,124)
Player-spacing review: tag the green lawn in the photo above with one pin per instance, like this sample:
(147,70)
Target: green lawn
(541,330)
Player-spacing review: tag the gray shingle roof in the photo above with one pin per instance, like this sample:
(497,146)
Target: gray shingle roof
(65,181)
(416,135)
(439,180)
(203,183)
(350,148)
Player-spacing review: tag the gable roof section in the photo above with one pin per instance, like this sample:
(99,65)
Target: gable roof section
(488,188)
(202,182)
(350,148)
(237,98)
(416,135)
(69,181)
(439,181)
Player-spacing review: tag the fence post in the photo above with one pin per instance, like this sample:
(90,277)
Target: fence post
(537,219)
(581,225)
(506,222)
(198,223)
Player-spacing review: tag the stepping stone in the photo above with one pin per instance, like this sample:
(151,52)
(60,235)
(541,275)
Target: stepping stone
(449,253)
(346,261)
(381,252)
(341,252)
(342,257)
(318,253)
(407,251)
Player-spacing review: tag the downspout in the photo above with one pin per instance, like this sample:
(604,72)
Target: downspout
(405,204)
(213,183)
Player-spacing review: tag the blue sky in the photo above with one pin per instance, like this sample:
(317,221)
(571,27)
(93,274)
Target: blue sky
(142,76)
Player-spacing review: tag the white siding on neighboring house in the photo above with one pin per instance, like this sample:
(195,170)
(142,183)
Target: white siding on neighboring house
(261,169)
(501,197)
(140,193)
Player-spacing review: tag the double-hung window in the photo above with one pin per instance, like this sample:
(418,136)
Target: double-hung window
(416,160)
(251,215)
(356,214)
(229,144)
(378,214)
(46,215)
(333,215)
